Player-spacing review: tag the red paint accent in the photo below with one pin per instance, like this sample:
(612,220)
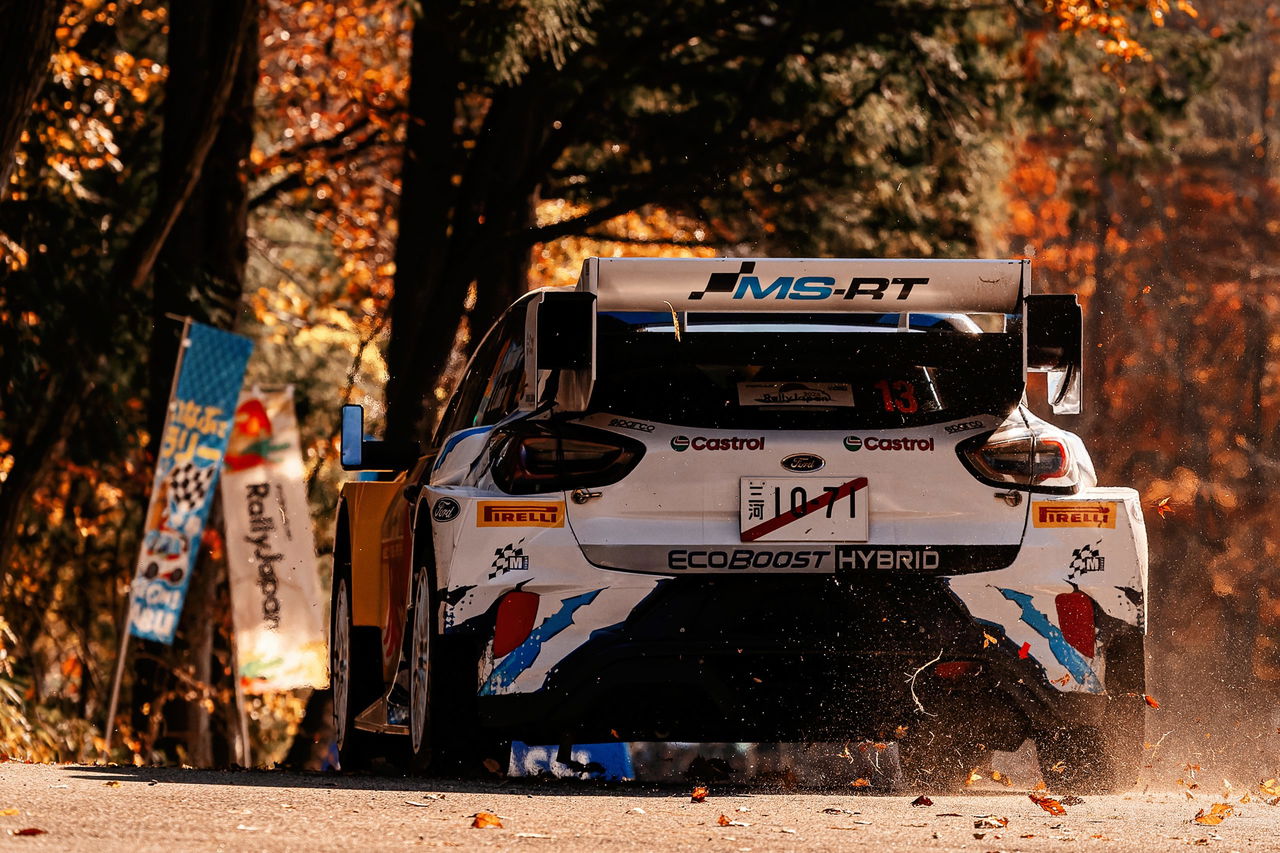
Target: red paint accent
(1075,619)
(820,502)
(516,613)
(1025,650)
(956,669)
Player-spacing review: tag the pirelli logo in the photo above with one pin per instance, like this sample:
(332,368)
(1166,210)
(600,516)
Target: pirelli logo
(511,514)
(1063,514)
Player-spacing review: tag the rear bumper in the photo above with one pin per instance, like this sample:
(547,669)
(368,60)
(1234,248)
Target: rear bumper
(772,658)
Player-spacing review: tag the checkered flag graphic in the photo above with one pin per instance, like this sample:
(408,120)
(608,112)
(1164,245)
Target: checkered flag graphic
(189,485)
(1086,559)
(508,558)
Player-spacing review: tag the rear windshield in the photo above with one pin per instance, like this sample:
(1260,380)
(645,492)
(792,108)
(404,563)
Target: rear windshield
(811,371)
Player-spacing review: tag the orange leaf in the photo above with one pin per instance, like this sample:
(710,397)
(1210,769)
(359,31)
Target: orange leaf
(1152,702)
(485,820)
(922,800)
(861,783)
(1049,804)
(30,830)
(9,812)
(723,820)
(699,794)
(1163,508)
(1216,814)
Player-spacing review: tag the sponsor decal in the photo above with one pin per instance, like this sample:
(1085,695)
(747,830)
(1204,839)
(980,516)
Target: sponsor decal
(1064,514)
(964,427)
(446,509)
(623,423)
(1085,559)
(744,285)
(509,514)
(910,559)
(681,443)
(508,558)
(795,394)
(743,558)
(853,444)
(803,462)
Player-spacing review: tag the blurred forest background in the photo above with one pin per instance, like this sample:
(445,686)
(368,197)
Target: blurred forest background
(362,185)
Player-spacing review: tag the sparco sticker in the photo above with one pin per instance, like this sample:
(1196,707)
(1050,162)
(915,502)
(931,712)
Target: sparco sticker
(681,443)
(626,424)
(511,514)
(446,509)
(744,284)
(854,443)
(1064,514)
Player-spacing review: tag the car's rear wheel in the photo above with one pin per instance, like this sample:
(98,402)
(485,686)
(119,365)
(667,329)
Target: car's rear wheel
(1105,758)
(355,675)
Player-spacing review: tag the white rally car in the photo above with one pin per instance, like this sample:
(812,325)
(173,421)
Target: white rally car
(751,500)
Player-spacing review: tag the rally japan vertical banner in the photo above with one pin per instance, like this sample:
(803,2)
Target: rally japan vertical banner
(196,431)
(276,602)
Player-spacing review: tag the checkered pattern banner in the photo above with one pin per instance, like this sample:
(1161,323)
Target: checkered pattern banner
(195,437)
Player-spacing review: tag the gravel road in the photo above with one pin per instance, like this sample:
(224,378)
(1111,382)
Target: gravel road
(85,808)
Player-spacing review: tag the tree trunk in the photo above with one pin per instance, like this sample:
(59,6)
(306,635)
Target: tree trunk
(424,310)
(200,270)
(26,43)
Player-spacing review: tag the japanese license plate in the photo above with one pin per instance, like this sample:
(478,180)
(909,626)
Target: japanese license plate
(804,509)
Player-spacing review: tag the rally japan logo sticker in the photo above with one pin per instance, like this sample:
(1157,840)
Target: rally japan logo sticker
(744,284)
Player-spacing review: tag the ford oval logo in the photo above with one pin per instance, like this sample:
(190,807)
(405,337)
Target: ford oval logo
(803,462)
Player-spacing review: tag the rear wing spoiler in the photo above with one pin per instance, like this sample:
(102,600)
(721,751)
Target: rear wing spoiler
(807,284)
(561,326)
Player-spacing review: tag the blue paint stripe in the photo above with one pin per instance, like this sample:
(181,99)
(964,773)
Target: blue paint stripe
(523,656)
(1066,653)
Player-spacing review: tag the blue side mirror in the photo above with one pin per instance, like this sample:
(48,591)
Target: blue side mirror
(352,437)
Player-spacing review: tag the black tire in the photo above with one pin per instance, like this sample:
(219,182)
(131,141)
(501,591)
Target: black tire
(1102,759)
(355,673)
(420,647)
(445,735)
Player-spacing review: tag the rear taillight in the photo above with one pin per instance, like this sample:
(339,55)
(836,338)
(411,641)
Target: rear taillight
(534,457)
(1023,457)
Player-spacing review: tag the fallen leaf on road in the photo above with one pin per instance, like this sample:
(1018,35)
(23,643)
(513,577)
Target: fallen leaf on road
(1151,701)
(723,820)
(950,814)
(699,795)
(636,810)
(114,783)
(788,831)
(1049,804)
(1216,814)
(991,823)
(9,812)
(485,820)
(30,830)
(1271,787)
(922,800)
(418,804)
(835,810)
(1246,798)
(974,776)
(861,783)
